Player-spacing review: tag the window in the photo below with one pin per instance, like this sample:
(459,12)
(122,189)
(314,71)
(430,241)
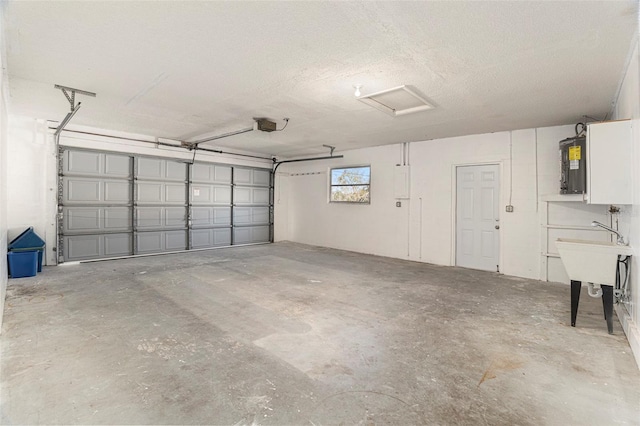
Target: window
(350,185)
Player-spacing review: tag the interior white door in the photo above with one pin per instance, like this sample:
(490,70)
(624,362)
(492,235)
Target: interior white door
(477,217)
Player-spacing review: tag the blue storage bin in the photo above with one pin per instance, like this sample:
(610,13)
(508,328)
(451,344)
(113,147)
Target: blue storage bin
(28,241)
(40,252)
(22,264)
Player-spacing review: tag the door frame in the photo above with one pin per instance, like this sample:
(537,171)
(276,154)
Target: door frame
(454,206)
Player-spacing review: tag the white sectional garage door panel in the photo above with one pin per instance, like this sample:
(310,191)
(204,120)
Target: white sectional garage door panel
(160,205)
(95,205)
(210,197)
(251,205)
(115,205)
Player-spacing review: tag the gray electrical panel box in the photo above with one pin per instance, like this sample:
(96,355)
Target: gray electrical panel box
(573,165)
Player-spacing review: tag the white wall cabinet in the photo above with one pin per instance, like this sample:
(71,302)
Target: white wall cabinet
(609,163)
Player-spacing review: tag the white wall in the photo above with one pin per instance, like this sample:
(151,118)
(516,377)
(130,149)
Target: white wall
(32,170)
(311,219)
(3,186)
(628,107)
(422,229)
(30,162)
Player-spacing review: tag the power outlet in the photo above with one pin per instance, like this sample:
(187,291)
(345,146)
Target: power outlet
(509,209)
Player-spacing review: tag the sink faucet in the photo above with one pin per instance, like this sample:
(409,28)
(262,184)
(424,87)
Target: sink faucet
(603,226)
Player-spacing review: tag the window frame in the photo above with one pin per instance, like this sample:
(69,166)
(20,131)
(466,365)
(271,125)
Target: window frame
(331,185)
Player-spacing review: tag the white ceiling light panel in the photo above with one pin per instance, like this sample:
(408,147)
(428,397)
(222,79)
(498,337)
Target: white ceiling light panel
(400,100)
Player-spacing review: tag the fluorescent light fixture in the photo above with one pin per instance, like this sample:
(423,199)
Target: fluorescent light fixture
(400,100)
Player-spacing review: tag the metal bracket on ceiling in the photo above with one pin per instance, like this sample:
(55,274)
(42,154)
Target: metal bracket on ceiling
(331,148)
(72,98)
(74,108)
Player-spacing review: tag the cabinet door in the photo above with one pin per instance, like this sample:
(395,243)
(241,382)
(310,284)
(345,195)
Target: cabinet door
(609,171)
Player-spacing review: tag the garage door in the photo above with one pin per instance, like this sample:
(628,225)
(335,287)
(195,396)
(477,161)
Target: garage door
(114,205)
(160,206)
(95,209)
(210,205)
(251,213)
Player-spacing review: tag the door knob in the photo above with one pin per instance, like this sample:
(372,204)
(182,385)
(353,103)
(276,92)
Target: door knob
(497,226)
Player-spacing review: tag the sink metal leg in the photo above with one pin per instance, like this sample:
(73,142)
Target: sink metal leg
(575,298)
(607,304)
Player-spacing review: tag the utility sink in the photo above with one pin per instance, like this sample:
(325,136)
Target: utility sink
(591,261)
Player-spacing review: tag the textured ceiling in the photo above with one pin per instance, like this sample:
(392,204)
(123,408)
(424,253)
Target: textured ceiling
(185,70)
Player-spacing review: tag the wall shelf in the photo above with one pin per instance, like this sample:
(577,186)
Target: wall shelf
(560,198)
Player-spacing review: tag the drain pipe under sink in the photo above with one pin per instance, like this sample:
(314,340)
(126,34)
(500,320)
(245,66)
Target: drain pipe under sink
(594,291)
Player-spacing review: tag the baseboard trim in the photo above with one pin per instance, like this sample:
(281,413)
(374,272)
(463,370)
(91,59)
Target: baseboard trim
(631,330)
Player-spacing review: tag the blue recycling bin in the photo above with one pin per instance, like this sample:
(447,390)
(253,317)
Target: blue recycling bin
(22,264)
(26,242)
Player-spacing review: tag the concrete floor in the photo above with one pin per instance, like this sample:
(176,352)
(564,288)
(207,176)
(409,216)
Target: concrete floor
(294,334)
